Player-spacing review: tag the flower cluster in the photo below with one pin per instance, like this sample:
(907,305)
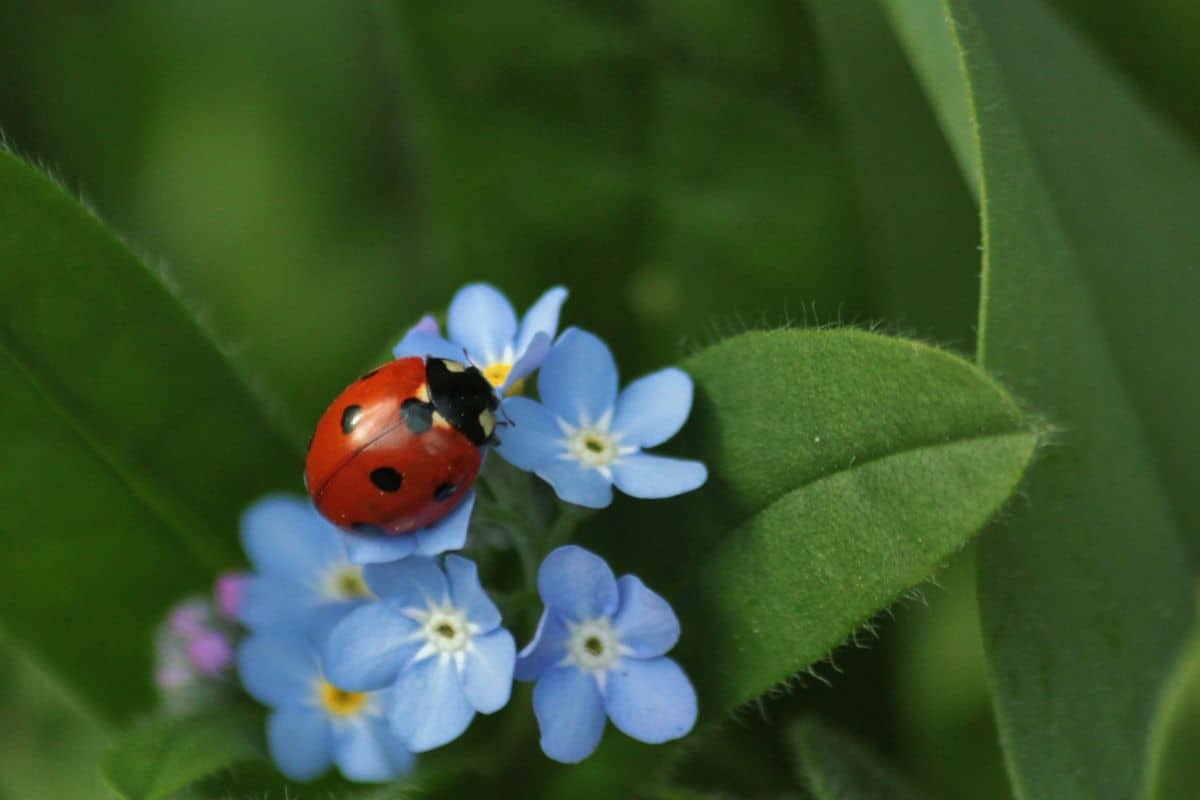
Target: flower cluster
(368,650)
(194,647)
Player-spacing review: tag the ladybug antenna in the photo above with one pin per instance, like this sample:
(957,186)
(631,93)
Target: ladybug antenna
(505,419)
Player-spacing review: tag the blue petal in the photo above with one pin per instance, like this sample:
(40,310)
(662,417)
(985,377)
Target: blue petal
(322,622)
(547,648)
(533,438)
(287,537)
(429,707)
(487,678)
(577,584)
(542,317)
(278,669)
(427,324)
(366,750)
(449,532)
(645,622)
(467,593)
(570,714)
(575,483)
(362,549)
(415,582)
(530,358)
(653,409)
(647,476)
(269,601)
(652,701)
(421,344)
(368,648)
(483,321)
(578,381)
(301,742)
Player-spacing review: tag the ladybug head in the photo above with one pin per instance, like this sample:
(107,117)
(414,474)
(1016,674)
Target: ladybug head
(464,397)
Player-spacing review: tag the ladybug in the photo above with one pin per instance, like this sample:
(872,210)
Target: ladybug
(400,447)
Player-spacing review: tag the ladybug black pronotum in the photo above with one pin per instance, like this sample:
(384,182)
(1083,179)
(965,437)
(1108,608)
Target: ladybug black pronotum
(400,447)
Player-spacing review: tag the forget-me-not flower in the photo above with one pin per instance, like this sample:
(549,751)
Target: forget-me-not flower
(303,579)
(481,321)
(600,651)
(583,438)
(312,721)
(433,637)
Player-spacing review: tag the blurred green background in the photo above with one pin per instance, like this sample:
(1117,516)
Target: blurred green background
(317,175)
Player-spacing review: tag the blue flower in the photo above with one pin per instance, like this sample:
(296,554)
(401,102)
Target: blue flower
(482,323)
(582,438)
(303,579)
(434,637)
(314,722)
(599,651)
(448,533)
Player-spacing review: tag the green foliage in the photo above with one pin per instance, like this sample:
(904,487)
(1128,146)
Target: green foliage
(1175,771)
(131,444)
(1088,212)
(667,158)
(163,756)
(915,203)
(836,767)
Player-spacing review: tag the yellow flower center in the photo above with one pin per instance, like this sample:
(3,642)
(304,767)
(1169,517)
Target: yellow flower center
(348,584)
(339,702)
(497,374)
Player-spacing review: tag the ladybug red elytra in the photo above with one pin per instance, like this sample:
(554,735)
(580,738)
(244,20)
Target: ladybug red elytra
(400,447)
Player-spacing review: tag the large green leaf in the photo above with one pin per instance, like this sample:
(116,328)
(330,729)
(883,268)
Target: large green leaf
(835,766)
(1089,209)
(845,468)
(162,756)
(130,444)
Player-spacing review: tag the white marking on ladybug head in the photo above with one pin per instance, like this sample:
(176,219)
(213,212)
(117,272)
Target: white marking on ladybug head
(487,421)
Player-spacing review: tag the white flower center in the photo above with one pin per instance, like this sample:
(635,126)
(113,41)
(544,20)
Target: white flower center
(593,645)
(445,632)
(594,445)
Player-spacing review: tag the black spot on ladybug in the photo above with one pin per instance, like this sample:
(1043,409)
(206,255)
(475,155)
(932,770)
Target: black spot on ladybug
(417,416)
(366,375)
(350,418)
(386,479)
(367,529)
(444,492)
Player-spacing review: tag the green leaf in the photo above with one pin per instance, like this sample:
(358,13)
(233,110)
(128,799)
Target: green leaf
(835,766)
(1175,772)
(130,445)
(1089,207)
(845,467)
(166,755)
